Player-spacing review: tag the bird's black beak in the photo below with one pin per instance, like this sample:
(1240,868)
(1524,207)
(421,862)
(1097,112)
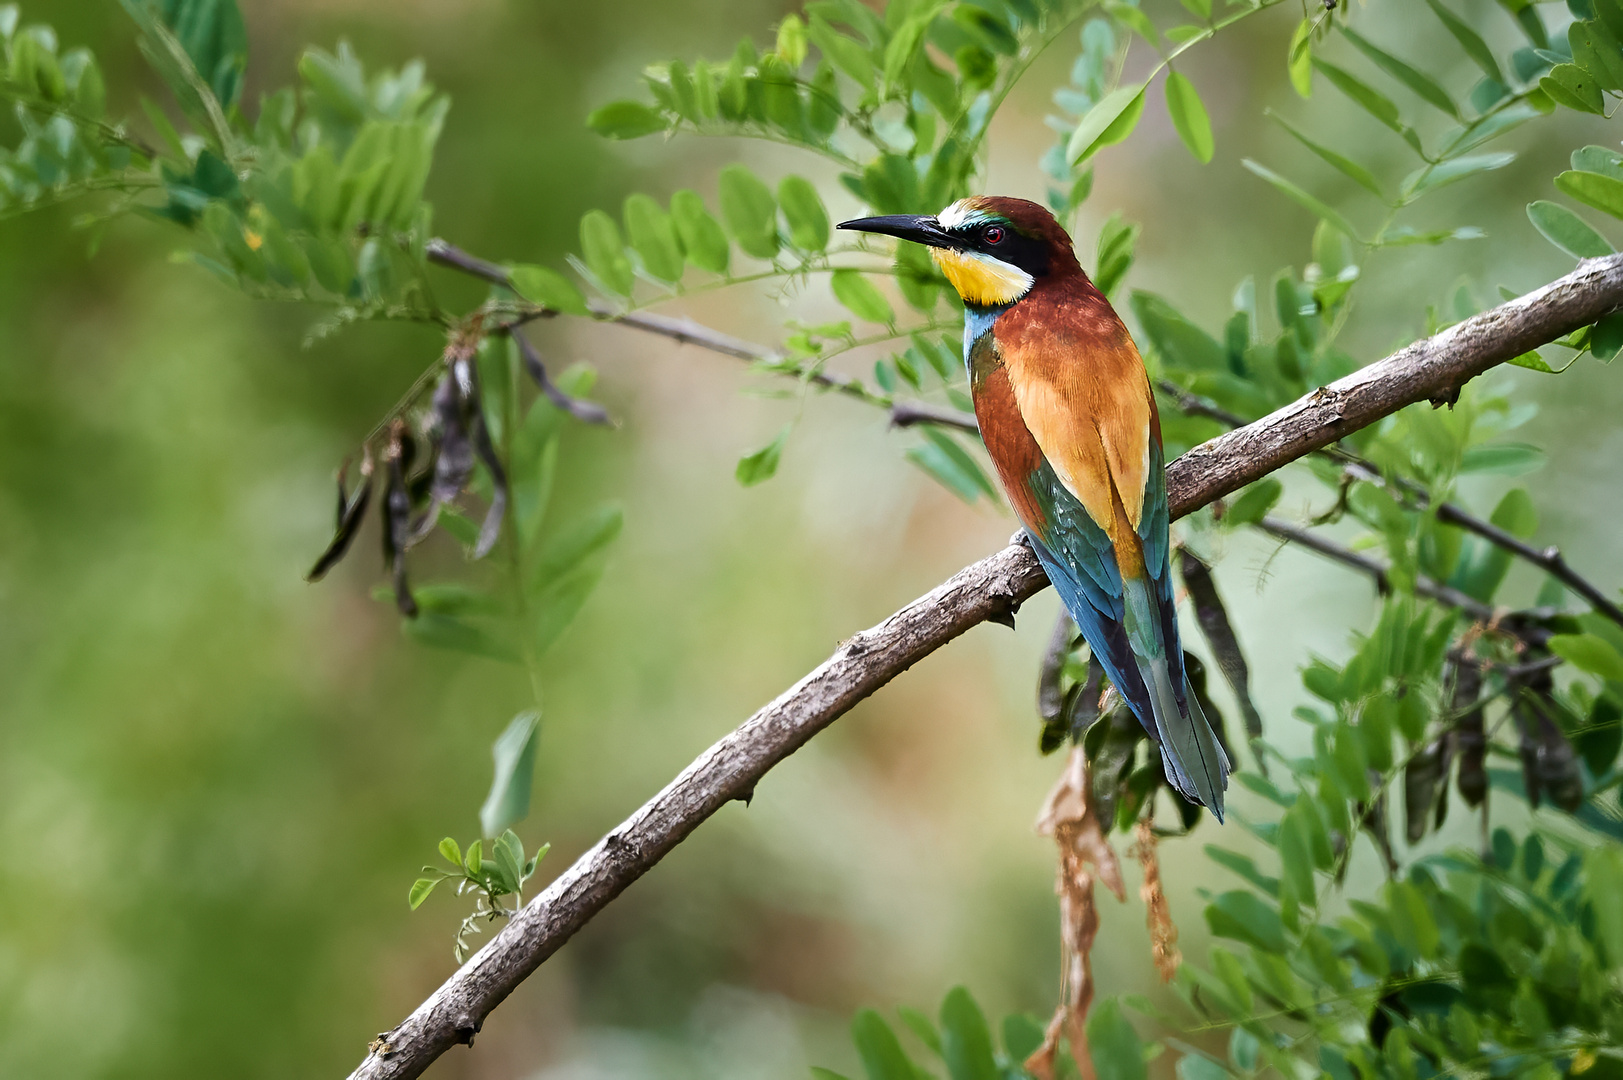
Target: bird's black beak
(921,229)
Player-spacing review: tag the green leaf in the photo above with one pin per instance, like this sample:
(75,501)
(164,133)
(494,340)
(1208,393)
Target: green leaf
(1296,857)
(921,1025)
(1109,121)
(1469,40)
(653,237)
(450,852)
(514,757)
(1179,342)
(604,253)
(843,52)
(586,537)
(1244,916)
(1459,168)
(702,237)
(560,601)
(1244,866)
(548,287)
(215,40)
(952,465)
(1598,52)
(473,861)
(762,464)
(1404,236)
(820,1073)
(1412,922)
(1367,98)
(1572,86)
(859,296)
(1200,9)
(1604,888)
(1117,238)
(1113,1044)
(1598,159)
(510,857)
(1484,570)
(1189,116)
(1567,231)
(1200,1067)
(1591,653)
(1302,198)
(1345,165)
(966,1042)
(1503,458)
(1532,361)
(1606,338)
(750,211)
(803,210)
(1602,192)
(420,890)
(625,120)
(1255,501)
(1423,85)
(1299,59)
(881,1054)
(1134,19)
(1022,1035)
(449,632)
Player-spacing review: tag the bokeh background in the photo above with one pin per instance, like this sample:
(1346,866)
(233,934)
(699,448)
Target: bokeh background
(217,782)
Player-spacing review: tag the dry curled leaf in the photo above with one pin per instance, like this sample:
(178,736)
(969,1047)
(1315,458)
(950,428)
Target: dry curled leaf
(1085,855)
(351,512)
(1158,916)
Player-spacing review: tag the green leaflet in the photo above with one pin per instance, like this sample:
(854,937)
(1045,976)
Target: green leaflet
(1189,117)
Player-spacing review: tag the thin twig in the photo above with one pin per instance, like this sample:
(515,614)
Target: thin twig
(1548,559)
(1423,586)
(992,587)
(908,413)
(684,331)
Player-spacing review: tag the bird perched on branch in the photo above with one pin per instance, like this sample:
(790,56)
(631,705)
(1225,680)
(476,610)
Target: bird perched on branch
(1067,415)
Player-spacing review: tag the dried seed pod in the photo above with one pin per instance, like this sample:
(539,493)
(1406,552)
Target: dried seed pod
(351,512)
(1420,779)
(1558,766)
(589,412)
(1219,632)
(1082,703)
(1110,747)
(1470,736)
(396,509)
(452,451)
(492,527)
(1050,699)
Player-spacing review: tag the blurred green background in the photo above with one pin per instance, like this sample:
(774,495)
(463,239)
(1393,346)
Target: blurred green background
(217,782)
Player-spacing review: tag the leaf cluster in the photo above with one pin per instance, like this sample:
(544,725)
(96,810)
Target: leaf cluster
(502,874)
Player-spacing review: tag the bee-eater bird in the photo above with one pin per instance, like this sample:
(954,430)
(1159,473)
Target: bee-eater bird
(1068,418)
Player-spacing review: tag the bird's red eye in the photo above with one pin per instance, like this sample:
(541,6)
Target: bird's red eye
(992,235)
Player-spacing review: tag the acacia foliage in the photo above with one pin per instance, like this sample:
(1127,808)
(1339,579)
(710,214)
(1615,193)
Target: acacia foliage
(1502,961)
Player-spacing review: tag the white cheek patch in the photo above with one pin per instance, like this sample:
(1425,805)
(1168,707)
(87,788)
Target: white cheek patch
(958,215)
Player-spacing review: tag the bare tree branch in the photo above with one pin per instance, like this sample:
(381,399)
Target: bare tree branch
(909,413)
(685,331)
(1432,369)
(1423,586)
(1548,559)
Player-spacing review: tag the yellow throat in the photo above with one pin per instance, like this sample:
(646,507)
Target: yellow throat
(980,279)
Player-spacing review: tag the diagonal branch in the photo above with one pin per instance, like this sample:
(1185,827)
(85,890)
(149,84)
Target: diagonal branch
(1434,368)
